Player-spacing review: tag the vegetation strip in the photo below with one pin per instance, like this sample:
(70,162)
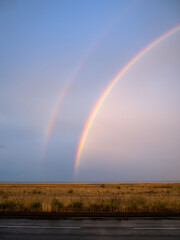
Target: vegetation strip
(140,199)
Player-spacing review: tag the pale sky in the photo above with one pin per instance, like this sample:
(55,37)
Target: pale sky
(46,45)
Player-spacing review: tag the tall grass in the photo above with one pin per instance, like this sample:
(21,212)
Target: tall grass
(91,198)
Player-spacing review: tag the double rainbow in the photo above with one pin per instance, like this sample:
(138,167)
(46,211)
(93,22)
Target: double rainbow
(111,85)
(67,86)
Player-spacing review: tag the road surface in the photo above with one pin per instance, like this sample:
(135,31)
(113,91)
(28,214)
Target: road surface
(94,229)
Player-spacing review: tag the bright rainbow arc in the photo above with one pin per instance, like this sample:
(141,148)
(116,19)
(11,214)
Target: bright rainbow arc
(70,81)
(111,85)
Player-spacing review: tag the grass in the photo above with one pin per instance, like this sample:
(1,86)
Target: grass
(76,205)
(56,205)
(91,198)
(35,191)
(70,191)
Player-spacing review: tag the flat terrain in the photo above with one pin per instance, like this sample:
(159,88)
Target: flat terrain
(142,198)
(94,229)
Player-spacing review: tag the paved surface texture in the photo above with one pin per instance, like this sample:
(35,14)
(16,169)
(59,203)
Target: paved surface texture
(105,229)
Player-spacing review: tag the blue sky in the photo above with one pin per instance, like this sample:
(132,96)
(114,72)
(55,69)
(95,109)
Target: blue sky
(41,45)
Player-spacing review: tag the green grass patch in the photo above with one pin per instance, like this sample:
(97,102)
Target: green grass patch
(56,205)
(76,205)
(70,191)
(36,205)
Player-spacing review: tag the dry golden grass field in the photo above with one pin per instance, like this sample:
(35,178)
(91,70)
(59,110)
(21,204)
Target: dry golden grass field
(91,198)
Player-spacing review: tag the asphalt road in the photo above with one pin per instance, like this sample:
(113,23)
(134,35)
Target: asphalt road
(95,229)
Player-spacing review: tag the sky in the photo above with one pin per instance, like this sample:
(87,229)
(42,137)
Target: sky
(57,57)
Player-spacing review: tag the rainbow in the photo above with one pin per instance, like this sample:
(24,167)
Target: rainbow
(60,99)
(54,114)
(111,85)
(64,91)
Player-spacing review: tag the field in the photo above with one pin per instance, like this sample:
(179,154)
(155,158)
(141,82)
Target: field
(150,198)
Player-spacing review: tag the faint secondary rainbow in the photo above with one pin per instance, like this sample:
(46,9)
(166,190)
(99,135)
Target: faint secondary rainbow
(111,85)
(67,86)
(53,117)
(61,97)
